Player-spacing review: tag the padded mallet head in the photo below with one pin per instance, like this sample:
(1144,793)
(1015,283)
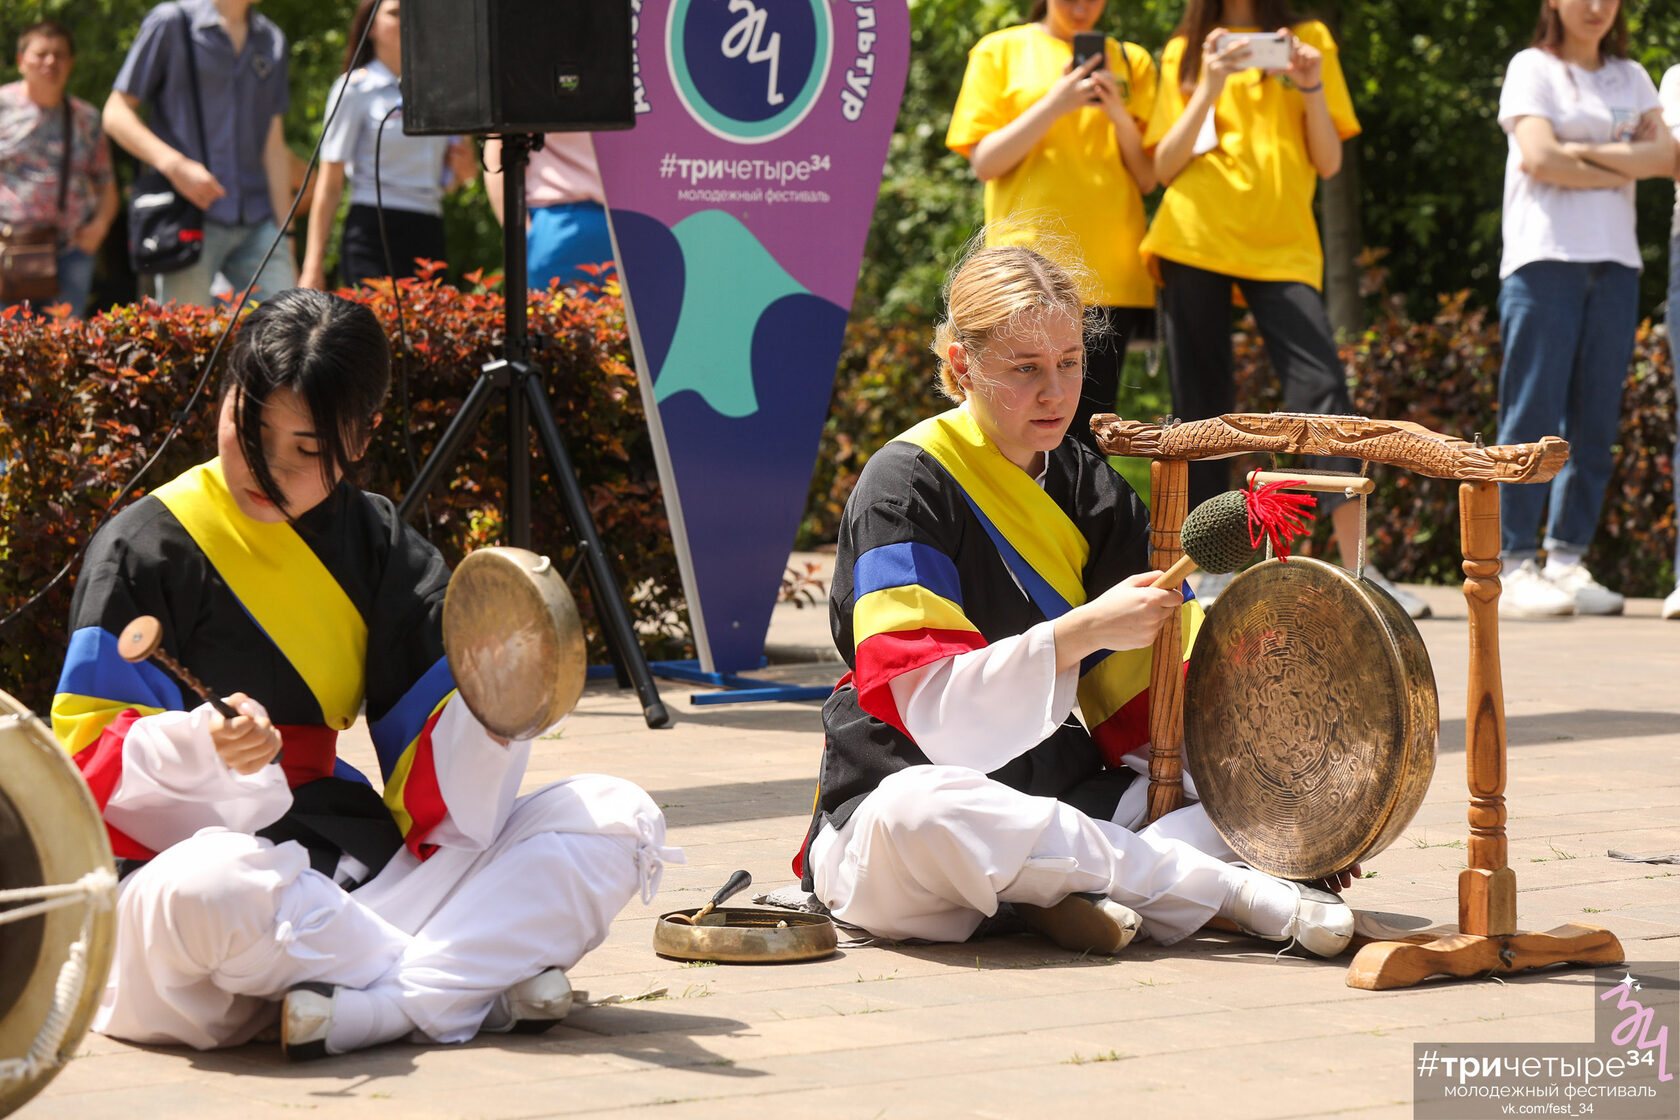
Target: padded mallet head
(1224,532)
(1215,535)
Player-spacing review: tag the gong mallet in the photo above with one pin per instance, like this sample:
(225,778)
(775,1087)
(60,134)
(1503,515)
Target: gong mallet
(1224,532)
(144,638)
(738,882)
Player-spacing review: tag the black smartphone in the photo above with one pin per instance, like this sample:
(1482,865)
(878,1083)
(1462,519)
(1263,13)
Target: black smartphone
(1087,45)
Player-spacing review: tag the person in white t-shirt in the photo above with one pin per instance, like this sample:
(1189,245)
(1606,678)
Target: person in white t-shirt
(396,219)
(1584,122)
(1670,94)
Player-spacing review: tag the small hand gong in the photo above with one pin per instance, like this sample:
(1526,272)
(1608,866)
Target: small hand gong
(514,641)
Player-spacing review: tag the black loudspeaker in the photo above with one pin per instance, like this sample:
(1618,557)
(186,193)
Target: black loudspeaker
(515,66)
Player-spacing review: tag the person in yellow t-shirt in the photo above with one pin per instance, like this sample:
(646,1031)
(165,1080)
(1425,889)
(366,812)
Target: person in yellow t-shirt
(1060,149)
(1241,149)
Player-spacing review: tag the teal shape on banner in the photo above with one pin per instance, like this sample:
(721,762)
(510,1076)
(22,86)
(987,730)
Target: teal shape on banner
(731,279)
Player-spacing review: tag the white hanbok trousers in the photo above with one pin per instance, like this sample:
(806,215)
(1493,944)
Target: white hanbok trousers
(933,850)
(221,925)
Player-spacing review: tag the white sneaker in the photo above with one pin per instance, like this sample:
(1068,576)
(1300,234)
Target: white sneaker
(1591,597)
(1209,587)
(306,1014)
(1671,605)
(1529,594)
(1414,606)
(1083,923)
(1322,923)
(532,1006)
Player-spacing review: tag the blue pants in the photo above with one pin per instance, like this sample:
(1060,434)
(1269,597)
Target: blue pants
(563,237)
(1568,329)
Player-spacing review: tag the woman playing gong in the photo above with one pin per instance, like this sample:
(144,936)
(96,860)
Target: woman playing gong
(267,569)
(991,571)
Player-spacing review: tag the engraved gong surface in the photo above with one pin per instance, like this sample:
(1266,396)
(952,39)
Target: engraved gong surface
(514,641)
(1310,718)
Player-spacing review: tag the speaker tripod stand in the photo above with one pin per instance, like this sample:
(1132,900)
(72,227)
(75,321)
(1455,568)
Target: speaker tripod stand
(527,398)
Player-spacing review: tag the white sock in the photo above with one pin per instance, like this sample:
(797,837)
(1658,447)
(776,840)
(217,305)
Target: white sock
(1260,903)
(1558,559)
(364,1018)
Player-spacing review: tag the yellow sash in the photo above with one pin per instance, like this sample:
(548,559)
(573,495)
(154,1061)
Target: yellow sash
(283,585)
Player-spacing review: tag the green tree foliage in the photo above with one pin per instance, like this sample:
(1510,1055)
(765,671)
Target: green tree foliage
(1424,76)
(317,31)
(1425,81)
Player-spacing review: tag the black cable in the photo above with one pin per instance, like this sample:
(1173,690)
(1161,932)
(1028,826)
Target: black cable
(210,363)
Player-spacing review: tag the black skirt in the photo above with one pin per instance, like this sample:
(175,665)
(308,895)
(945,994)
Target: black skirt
(411,235)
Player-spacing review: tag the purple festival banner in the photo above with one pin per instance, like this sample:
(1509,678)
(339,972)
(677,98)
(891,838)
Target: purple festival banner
(739,206)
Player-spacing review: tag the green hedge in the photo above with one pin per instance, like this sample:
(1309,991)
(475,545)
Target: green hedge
(86,402)
(1442,372)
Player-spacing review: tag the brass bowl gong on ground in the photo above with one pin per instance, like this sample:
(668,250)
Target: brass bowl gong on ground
(739,936)
(1310,718)
(514,641)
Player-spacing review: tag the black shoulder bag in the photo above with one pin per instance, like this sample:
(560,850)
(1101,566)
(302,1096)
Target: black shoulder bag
(165,230)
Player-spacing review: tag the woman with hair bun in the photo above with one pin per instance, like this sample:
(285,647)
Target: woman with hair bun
(1060,149)
(240,839)
(991,571)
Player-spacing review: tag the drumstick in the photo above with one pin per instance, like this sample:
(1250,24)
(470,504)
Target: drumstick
(1223,533)
(144,638)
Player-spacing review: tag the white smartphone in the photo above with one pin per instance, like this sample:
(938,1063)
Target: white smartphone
(1269,51)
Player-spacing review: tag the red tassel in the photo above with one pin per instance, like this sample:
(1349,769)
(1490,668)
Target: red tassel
(1276,516)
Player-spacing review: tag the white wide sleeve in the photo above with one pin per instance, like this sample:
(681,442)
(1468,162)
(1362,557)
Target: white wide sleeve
(478,779)
(984,707)
(174,783)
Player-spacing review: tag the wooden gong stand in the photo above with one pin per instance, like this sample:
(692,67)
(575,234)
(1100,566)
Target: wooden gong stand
(1486,938)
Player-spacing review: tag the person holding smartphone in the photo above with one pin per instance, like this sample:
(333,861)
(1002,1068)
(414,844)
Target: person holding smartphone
(1059,144)
(1584,121)
(1241,147)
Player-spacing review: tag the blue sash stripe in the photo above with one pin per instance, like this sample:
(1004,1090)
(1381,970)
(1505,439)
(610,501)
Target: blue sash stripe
(1046,598)
(399,727)
(906,564)
(93,668)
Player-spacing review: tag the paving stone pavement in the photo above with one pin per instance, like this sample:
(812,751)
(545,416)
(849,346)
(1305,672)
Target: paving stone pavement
(1014,1027)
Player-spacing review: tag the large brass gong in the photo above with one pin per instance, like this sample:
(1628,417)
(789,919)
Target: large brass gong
(51,835)
(1310,718)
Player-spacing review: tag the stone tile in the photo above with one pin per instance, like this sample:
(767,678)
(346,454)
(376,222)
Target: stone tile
(1215,1026)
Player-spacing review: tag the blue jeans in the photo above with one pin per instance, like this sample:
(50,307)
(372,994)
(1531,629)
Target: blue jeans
(1568,329)
(235,252)
(1674,365)
(563,237)
(75,279)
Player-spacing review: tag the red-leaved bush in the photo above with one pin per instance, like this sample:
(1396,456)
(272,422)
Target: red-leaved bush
(1442,372)
(82,405)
